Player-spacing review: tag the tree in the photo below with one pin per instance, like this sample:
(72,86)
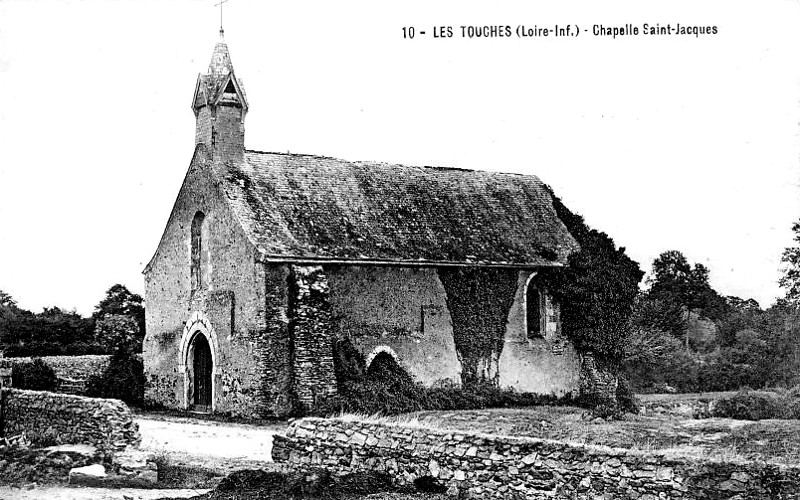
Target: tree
(596,290)
(739,315)
(7,300)
(54,331)
(662,314)
(119,302)
(118,332)
(675,280)
(791,268)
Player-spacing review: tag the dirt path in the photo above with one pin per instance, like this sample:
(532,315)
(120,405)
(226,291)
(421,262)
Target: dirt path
(219,446)
(67,493)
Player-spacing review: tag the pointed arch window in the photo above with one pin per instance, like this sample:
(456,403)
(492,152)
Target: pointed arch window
(535,312)
(199,258)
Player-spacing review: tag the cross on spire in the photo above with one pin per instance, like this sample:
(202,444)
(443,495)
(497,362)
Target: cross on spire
(221,31)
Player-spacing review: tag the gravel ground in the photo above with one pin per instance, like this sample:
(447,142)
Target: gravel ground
(67,493)
(217,446)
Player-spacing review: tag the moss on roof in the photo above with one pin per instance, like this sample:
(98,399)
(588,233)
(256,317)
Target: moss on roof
(317,207)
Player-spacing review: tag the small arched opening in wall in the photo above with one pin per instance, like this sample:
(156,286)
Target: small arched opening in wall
(535,312)
(381,357)
(199,364)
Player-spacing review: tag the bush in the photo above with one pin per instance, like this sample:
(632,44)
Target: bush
(626,399)
(387,389)
(750,405)
(122,379)
(34,375)
(792,402)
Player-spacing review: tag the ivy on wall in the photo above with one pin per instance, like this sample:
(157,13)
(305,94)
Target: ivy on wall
(595,291)
(479,300)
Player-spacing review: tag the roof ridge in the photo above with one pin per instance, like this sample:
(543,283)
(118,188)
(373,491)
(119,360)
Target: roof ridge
(388,164)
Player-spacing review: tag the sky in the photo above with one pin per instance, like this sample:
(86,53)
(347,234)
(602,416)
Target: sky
(664,142)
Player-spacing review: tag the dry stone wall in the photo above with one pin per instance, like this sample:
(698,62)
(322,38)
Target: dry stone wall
(483,466)
(67,367)
(66,419)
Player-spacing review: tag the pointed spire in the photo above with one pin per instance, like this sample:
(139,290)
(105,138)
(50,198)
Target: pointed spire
(221,59)
(220,105)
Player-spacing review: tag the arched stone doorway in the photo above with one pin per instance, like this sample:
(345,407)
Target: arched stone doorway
(199,364)
(201,379)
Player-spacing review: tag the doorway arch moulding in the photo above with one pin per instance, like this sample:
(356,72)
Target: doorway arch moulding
(199,324)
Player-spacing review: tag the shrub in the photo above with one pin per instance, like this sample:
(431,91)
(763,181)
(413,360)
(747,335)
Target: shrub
(314,483)
(387,389)
(792,402)
(34,375)
(122,379)
(750,405)
(429,484)
(626,399)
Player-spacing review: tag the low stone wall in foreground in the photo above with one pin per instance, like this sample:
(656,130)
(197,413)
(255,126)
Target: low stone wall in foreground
(49,418)
(484,466)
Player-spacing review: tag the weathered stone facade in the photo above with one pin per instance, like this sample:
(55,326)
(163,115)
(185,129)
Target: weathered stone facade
(598,380)
(546,365)
(310,327)
(400,311)
(230,309)
(44,416)
(485,466)
(268,260)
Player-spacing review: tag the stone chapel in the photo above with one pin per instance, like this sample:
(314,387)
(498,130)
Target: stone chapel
(269,261)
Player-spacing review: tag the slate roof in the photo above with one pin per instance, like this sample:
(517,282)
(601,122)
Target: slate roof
(311,207)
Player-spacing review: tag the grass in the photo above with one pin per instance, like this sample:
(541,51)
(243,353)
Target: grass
(177,476)
(404,420)
(776,441)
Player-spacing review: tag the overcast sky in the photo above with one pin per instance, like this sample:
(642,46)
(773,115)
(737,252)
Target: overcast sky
(664,142)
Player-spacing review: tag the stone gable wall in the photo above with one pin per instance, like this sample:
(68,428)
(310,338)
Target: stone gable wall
(66,419)
(483,466)
(233,301)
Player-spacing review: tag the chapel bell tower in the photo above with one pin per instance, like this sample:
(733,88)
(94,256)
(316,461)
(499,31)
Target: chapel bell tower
(220,105)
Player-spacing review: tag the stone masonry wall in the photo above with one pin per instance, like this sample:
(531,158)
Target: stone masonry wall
(483,466)
(310,327)
(597,381)
(402,309)
(546,365)
(232,302)
(63,418)
(67,367)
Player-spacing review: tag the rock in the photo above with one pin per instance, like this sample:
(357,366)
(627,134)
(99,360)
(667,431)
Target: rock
(741,477)
(433,467)
(732,485)
(91,475)
(358,438)
(452,491)
(74,451)
(664,474)
(147,477)
(136,467)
